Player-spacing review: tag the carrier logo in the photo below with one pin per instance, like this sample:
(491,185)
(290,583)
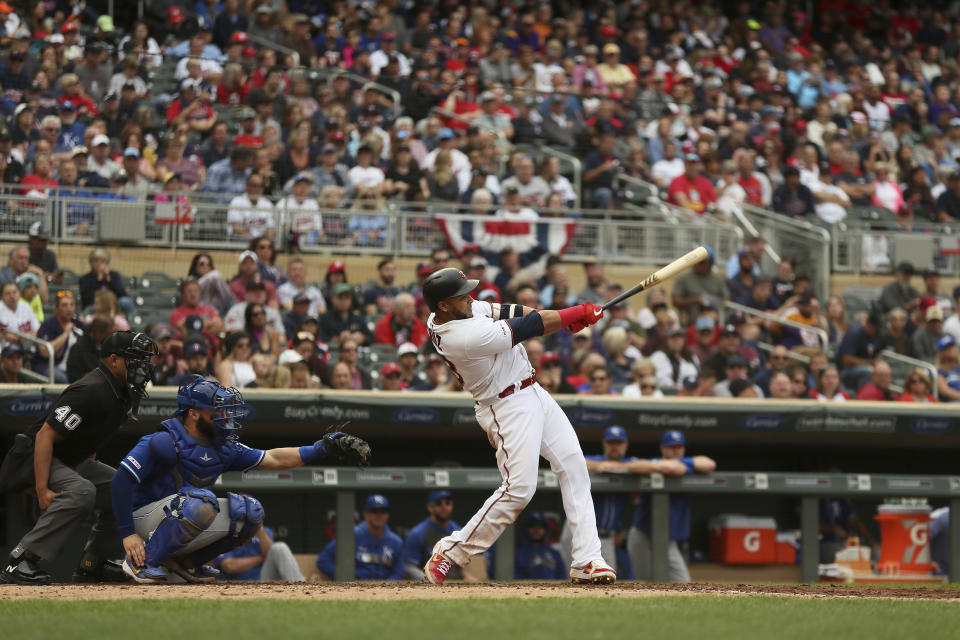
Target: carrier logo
(762,422)
(589,417)
(416,415)
(29,407)
(931,426)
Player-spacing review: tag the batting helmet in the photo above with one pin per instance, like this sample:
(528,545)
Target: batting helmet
(444,284)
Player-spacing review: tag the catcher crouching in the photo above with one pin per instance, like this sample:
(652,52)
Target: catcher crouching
(161,490)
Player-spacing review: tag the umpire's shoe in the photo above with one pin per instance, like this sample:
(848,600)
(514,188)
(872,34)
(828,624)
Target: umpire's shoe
(24,568)
(106,571)
(145,575)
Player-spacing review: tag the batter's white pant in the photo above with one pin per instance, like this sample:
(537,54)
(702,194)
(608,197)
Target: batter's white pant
(280,565)
(147,518)
(639,548)
(607,548)
(522,427)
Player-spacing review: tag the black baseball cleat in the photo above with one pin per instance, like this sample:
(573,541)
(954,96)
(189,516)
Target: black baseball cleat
(24,570)
(106,571)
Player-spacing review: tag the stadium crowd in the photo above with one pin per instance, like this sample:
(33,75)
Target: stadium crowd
(263,108)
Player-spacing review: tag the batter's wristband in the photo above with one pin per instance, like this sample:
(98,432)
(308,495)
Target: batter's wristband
(570,315)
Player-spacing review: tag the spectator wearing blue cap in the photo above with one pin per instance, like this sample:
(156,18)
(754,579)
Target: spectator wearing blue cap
(948,369)
(691,190)
(672,451)
(698,283)
(11,365)
(534,559)
(418,547)
(459,162)
(379,551)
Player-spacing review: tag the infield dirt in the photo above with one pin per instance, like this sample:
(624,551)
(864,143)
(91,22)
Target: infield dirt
(455,591)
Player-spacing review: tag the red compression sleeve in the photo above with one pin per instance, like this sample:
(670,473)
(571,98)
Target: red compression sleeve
(570,315)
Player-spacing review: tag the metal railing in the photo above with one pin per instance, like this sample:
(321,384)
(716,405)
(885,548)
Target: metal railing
(769,317)
(389,228)
(270,44)
(897,359)
(366,83)
(804,241)
(809,488)
(863,248)
(51,360)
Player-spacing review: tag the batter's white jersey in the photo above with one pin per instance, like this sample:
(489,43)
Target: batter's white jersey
(480,352)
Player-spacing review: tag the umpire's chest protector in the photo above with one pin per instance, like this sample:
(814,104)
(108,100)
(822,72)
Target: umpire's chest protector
(197,465)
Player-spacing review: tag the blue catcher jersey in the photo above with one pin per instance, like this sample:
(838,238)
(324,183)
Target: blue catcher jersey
(609,507)
(169,459)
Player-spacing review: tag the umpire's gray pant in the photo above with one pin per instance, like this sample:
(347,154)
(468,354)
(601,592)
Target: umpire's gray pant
(147,518)
(639,548)
(81,490)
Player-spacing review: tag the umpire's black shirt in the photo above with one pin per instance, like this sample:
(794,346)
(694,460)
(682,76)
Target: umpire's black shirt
(87,414)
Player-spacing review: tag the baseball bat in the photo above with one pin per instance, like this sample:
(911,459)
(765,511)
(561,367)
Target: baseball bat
(660,275)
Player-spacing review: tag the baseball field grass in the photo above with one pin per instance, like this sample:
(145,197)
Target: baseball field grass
(767,617)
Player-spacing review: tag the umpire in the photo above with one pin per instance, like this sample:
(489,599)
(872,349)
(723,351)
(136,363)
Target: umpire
(56,456)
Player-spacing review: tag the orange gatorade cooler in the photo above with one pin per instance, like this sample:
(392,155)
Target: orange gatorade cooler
(737,539)
(904,538)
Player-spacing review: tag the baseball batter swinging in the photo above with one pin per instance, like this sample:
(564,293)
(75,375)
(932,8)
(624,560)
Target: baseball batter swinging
(480,342)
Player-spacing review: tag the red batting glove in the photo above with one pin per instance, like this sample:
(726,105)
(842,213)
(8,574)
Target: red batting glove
(591,313)
(577,326)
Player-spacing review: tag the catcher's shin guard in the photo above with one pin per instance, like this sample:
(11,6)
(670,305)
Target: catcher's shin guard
(192,513)
(246,517)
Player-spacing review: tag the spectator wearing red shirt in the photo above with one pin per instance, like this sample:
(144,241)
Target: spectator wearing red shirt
(40,179)
(248,124)
(878,389)
(750,183)
(249,269)
(191,108)
(691,190)
(192,316)
(401,325)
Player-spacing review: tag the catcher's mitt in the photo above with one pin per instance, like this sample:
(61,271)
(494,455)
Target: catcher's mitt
(347,449)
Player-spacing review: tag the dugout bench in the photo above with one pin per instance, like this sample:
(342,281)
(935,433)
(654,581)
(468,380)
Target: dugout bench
(808,487)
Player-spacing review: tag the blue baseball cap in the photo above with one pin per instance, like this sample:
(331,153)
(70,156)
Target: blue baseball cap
(944,342)
(445,134)
(434,496)
(673,437)
(536,519)
(376,501)
(706,323)
(615,432)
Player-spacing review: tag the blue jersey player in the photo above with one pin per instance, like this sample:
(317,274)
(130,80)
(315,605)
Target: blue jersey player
(162,488)
(418,547)
(610,507)
(378,551)
(534,559)
(673,450)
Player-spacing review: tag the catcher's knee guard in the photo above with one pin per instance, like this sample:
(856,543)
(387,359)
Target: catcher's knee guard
(190,514)
(246,515)
(246,518)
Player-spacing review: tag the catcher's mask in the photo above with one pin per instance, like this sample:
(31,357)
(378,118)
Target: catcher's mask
(225,403)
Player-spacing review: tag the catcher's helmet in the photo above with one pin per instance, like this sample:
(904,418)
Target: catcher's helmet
(227,405)
(446,283)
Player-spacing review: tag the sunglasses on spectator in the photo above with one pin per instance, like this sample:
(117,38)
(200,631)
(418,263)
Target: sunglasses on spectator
(779,358)
(648,386)
(599,378)
(258,313)
(255,184)
(348,349)
(392,375)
